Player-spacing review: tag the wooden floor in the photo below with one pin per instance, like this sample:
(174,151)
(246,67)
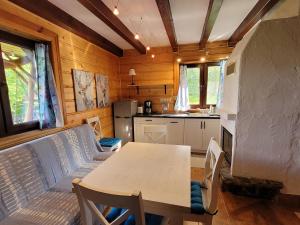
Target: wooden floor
(237,210)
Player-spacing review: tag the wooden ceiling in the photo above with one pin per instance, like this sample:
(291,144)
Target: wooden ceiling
(159,22)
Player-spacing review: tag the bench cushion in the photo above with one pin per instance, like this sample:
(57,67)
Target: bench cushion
(21,179)
(109,142)
(65,184)
(51,208)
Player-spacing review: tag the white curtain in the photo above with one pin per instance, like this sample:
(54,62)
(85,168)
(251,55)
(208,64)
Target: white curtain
(182,101)
(221,85)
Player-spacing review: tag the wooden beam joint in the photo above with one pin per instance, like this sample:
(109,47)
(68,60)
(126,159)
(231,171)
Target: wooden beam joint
(256,14)
(211,17)
(100,10)
(166,15)
(52,13)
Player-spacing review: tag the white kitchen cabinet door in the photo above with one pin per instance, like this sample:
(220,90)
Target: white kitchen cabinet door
(138,132)
(211,128)
(175,131)
(193,134)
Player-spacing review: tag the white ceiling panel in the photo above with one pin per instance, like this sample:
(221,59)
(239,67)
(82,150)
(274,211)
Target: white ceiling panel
(75,9)
(151,29)
(231,15)
(189,17)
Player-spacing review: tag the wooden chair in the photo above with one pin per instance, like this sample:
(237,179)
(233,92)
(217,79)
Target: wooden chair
(95,124)
(131,205)
(209,188)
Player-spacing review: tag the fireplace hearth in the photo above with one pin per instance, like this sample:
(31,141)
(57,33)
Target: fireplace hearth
(252,187)
(226,141)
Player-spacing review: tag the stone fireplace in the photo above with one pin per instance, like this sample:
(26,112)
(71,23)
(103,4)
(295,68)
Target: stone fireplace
(226,143)
(260,107)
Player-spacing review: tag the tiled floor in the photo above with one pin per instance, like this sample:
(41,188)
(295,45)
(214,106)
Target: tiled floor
(238,210)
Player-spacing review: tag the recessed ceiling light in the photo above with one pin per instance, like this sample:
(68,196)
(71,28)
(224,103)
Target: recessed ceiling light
(136,36)
(202,59)
(116,11)
(152,56)
(148,48)
(179,60)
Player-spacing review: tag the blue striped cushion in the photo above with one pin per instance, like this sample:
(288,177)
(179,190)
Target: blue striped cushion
(196,198)
(151,219)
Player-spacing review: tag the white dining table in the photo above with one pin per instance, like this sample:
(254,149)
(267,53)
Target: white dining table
(161,172)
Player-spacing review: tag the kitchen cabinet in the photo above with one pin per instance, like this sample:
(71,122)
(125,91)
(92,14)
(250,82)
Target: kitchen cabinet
(175,131)
(150,130)
(211,128)
(198,132)
(195,132)
(159,130)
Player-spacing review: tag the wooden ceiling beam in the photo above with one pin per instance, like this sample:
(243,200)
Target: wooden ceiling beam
(166,15)
(52,13)
(211,17)
(100,10)
(256,14)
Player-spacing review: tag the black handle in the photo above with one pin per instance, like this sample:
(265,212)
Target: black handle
(173,122)
(148,120)
(201,125)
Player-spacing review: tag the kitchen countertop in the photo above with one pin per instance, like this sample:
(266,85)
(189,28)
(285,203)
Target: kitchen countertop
(180,115)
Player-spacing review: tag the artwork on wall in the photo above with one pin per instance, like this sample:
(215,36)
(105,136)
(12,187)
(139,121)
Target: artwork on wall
(83,82)
(102,90)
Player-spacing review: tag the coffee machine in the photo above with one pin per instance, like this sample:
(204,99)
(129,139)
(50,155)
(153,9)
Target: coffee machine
(148,107)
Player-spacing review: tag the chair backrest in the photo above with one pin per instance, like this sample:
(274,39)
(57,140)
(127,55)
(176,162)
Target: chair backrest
(213,162)
(89,197)
(95,124)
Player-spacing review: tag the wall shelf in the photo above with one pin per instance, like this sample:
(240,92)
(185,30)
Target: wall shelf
(138,86)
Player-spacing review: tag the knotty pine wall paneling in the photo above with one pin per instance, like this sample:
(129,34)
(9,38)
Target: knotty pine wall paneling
(153,72)
(163,69)
(72,52)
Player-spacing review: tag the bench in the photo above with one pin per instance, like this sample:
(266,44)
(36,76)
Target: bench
(36,177)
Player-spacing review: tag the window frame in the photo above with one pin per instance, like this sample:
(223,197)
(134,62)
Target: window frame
(8,127)
(203,82)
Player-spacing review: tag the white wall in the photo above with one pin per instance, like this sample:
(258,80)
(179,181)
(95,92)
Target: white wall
(230,92)
(284,9)
(268,117)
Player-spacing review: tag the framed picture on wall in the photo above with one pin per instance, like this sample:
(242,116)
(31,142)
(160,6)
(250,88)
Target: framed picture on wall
(102,89)
(83,87)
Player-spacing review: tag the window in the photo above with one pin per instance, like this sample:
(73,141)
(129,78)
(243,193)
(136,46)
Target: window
(203,84)
(193,79)
(19,108)
(213,82)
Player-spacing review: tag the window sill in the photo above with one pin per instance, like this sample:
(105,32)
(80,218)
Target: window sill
(13,140)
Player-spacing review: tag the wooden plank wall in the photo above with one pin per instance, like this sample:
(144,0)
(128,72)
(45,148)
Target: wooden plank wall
(149,71)
(74,53)
(164,68)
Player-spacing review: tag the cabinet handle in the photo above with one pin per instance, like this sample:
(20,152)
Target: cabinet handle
(201,125)
(173,122)
(148,120)
(204,124)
